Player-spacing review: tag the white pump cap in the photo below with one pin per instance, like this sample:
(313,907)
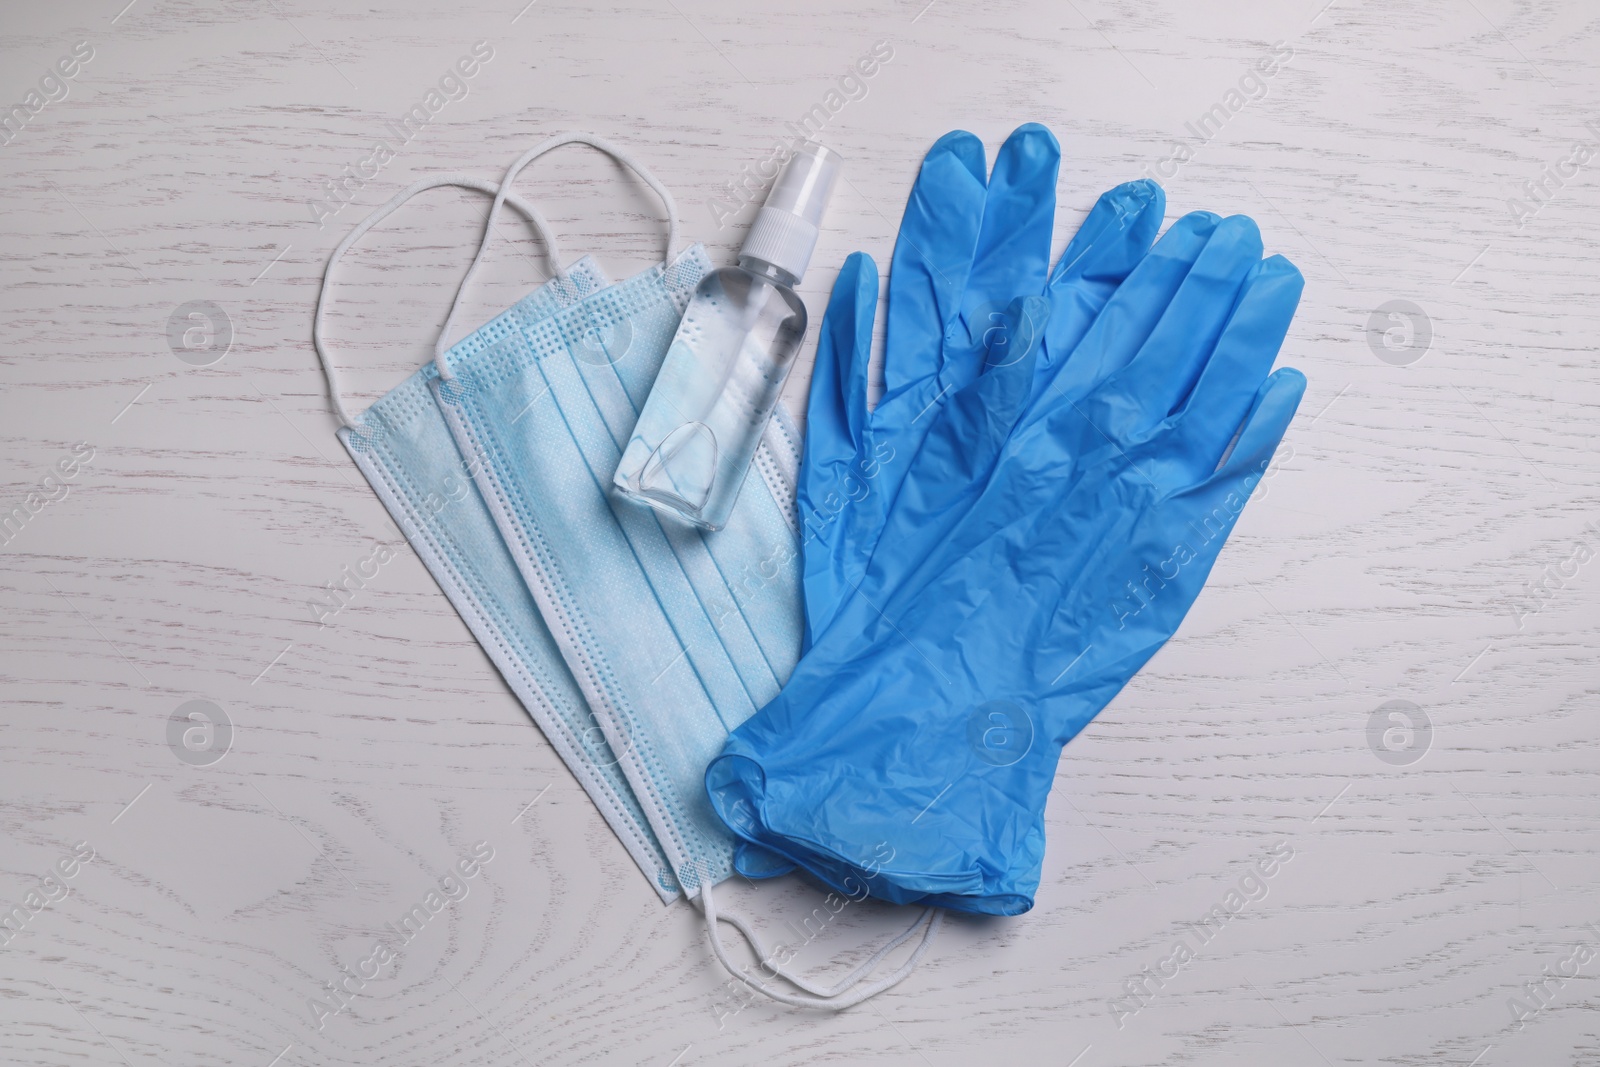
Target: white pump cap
(785,230)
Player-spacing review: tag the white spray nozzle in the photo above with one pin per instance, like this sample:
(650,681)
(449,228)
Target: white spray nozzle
(785,230)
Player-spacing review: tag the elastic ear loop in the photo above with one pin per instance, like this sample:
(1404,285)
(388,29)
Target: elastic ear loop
(464,181)
(618,154)
(842,994)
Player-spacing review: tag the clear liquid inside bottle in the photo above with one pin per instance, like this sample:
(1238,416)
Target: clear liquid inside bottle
(722,377)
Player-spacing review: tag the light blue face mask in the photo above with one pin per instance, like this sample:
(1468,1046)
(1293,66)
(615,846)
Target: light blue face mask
(406,452)
(675,637)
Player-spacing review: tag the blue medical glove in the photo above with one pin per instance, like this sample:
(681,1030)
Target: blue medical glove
(965,250)
(1182,293)
(913,749)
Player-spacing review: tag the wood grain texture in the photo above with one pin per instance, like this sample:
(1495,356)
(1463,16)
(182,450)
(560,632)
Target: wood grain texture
(1409,510)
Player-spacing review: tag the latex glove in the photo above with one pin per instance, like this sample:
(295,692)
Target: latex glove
(966,249)
(914,747)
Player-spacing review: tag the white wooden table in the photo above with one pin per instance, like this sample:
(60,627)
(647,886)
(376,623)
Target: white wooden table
(1442,464)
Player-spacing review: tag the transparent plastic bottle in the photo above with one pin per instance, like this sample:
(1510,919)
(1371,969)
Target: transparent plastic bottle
(692,446)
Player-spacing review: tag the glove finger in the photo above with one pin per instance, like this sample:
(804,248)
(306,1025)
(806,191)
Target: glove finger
(836,410)
(1128,317)
(1112,241)
(1228,386)
(1176,351)
(933,257)
(836,421)
(1013,251)
(1275,404)
(1115,235)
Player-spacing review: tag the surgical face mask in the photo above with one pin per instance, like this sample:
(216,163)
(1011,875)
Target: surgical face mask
(675,637)
(405,450)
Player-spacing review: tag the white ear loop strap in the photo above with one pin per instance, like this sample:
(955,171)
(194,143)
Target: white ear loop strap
(618,154)
(465,181)
(845,993)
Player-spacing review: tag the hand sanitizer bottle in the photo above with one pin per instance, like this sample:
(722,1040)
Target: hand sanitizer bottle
(709,406)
